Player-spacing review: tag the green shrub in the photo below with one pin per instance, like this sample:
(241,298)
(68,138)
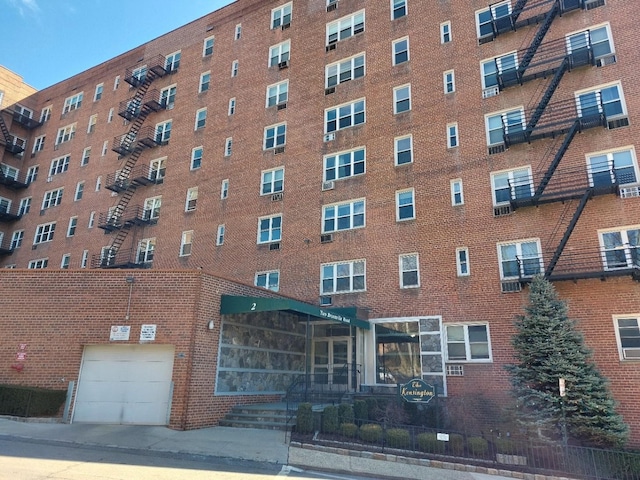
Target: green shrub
(398,438)
(330,421)
(456,444)
(360,410)
(428,442)
(349,430)
(506,446)
(304,418)
(345,413)
(478,446)
(371,433)
(372,408)
(30,401)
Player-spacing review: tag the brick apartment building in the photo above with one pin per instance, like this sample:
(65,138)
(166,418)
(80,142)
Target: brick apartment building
(416,163)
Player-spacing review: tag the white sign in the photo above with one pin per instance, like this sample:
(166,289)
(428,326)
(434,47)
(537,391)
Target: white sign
(120,333)
(443,437)
(148,333)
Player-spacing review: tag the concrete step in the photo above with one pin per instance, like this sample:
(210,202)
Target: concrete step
(254,424)
(267,416)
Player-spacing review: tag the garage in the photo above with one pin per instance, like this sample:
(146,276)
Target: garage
(125,384)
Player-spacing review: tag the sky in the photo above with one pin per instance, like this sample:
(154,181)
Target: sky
(46,41)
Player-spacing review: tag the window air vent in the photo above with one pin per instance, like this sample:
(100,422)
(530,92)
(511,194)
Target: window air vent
(606,60)
(284,26)
(278,150)
(617,123)
(276,197)
(274,246)
(283,65)
(33,247)
(502,210)
(511,286)
(282,106)
(332,6)
(49,179)
(329,137)
(331,46)
(325,301)
(497,149)
(330,185)
(490,92)
(630,192)
(591,4)
(42,212)
(455,370)
(326,238)
(630,353)
(330,90)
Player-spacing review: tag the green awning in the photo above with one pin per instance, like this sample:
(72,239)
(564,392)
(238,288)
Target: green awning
(230,304)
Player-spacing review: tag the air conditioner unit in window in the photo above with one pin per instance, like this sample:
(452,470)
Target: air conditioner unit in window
(618,122)
(329,137)
(326,238)
(276,197)
(284,26)
(49,179)
(330,185)
(332,6)
(274,246)
(283,65)
(331,46)
(278,150)
(606,60)
(330,90)
(590,4)
(281,106)
(510,286)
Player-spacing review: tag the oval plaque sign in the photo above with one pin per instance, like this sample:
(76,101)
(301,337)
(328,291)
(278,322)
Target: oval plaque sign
(417,390)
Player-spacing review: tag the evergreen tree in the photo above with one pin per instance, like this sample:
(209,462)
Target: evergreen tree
(548,347)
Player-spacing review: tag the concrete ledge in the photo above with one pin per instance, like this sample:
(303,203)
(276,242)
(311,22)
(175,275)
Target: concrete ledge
(32,419)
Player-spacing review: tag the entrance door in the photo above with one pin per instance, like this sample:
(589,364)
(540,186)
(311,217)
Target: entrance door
(331,360)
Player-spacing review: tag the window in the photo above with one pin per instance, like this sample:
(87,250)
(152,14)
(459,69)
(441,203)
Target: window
(449,81)
(457,195)
(398,9)
(275,136)
(86,155)
(520,259)
(5,205)
(272,181)
(400,51)
(343,277)
(269,280)
(207,47)
(228,147)
(445,32)
(98,93)
(344,116)
(185,243)
(343,216)
(65,134)
(45,115)
(238,32)
(608,100)
(163,132)
(344,164)
(500,124)
(403,150)
(59,165)
(224,189)
(93,119)
(92,218)
(72,103)
(232,106)
(9,172)
(270,229)
(168,97)
(512,184)
(409,271)
(620,248)
(98,183)
(38,264)
(157,169)
(345,27)
(172,62)
(105,147)
(52,198)
(66,260)
(32,174)
(402,99)
(486,17)
(196,158)
(281,16)
(146,249)
(468,343)
(628,336)
(345,70)
(205,79)
(462,261)
(44,233)
(201,119)
(405,205)
(38,144)
(192,199)
(152,208)
(220,235)
(452,135)
(608,168)
(279,54)
(491,68)
(598,39)
(110,117)
(16,239)
(73,224)
(116,82)
(79,191)
(234,68)
(278,93)
(25,206)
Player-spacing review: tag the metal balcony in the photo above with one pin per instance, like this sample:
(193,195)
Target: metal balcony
(120,259)
(151,102)
(141,175)
(6,247)
(134,215)
(25,121)
(12,147)
(145,138)
(9,214)
(14,183)
(136,75)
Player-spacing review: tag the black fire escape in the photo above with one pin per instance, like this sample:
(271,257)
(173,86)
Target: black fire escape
(122,217)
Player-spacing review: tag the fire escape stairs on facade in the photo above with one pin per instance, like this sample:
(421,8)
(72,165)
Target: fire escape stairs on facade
(8,139)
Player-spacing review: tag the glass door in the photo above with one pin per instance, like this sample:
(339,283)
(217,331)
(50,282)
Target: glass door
(331,361)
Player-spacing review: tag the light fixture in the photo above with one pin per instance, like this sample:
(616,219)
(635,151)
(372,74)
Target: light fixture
(210,325)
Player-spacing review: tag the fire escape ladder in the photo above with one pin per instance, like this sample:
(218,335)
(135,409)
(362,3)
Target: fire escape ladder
(565,238)
(5,131)
(537,40)
(548,94)
(517,10)
(575,128)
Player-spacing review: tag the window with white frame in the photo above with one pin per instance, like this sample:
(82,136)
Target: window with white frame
(281,16)
(86,156)
(25,206)
(92,219)
(511,185)
(220,235)
(44,233)
(172,62)
(628,336)
(16,239)
(224,189)
(344,116)
(157,169)
(228,147)
(116,82)
(452,135)
(269,280)
(620,247)
(445,32)
(32,174)
(605,99)
(400,51)
(608,168)
(71,228)
(9,172)
(98,93)
(520,259)
(66,261)
(275,136)
(457,195)
(38,144)
(345,164)
(185,243)
(500,124)
(139,74)
(65,134)
(405,205)
(402,99)
(398,9)
(79,191)
(270,229)
(345,70)
(343,216)
(232,106)
(152,208)
(207,46)
(59,165)
(105,147)
(196,158)
(93,120)
(449,81)
(272,181)
(238,32)
(345,27)
(38,264)
(110,117)
(73,102)
(403,149)
(235,65)
(343,277)
(205,80)
(277,94)
(409,270)
(192,199)
(468,343)
(52,198)
(163,132)
(462,261)
(201,119)
(85,257)
(168,96)
(5,205)
(279,54)
(146,250)
(486,17)
(493,67)
(45,114)
(598,39)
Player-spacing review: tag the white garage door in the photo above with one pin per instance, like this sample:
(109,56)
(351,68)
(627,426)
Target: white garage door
(125,384)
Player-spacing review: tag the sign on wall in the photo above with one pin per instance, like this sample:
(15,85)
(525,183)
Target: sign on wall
(417,390)
(147,333)
(120,333)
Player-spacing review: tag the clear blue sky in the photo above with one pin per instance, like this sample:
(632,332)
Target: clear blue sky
(47,41)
